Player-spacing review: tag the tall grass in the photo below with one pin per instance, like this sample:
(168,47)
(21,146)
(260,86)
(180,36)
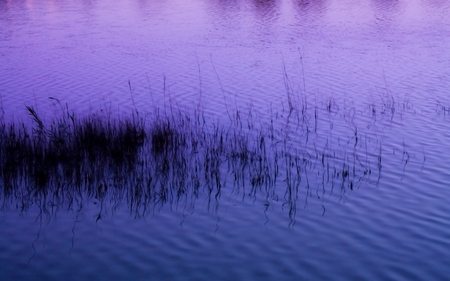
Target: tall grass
(175,159)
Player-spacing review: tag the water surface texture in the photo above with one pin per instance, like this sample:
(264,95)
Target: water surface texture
(285,140)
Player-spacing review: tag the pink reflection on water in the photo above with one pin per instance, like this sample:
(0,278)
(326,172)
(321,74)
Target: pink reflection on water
(85,51)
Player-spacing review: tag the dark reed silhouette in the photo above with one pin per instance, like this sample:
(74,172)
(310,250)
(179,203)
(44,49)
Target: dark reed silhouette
(175,159)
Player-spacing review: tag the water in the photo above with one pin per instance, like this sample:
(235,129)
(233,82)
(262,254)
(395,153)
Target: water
(375,70)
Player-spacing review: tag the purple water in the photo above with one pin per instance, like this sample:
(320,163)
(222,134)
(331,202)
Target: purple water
(353,61)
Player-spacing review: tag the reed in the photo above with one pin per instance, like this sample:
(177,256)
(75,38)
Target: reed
(177,158)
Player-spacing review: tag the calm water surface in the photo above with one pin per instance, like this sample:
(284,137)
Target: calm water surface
(374,75)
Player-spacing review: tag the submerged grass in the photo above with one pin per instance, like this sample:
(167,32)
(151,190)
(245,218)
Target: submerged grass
(179,157)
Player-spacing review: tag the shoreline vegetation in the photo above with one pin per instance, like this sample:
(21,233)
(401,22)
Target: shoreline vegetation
(307,152)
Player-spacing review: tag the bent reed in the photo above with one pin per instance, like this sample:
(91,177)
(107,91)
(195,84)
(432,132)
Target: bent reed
(180,157)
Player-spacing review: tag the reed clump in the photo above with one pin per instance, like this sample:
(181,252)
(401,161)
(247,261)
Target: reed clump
(44,155)
(180,157)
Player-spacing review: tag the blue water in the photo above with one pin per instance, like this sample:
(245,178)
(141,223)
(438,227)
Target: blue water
(377,70)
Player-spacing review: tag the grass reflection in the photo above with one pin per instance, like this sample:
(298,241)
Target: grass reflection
(287,158)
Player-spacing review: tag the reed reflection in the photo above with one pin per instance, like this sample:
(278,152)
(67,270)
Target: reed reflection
(304,153)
